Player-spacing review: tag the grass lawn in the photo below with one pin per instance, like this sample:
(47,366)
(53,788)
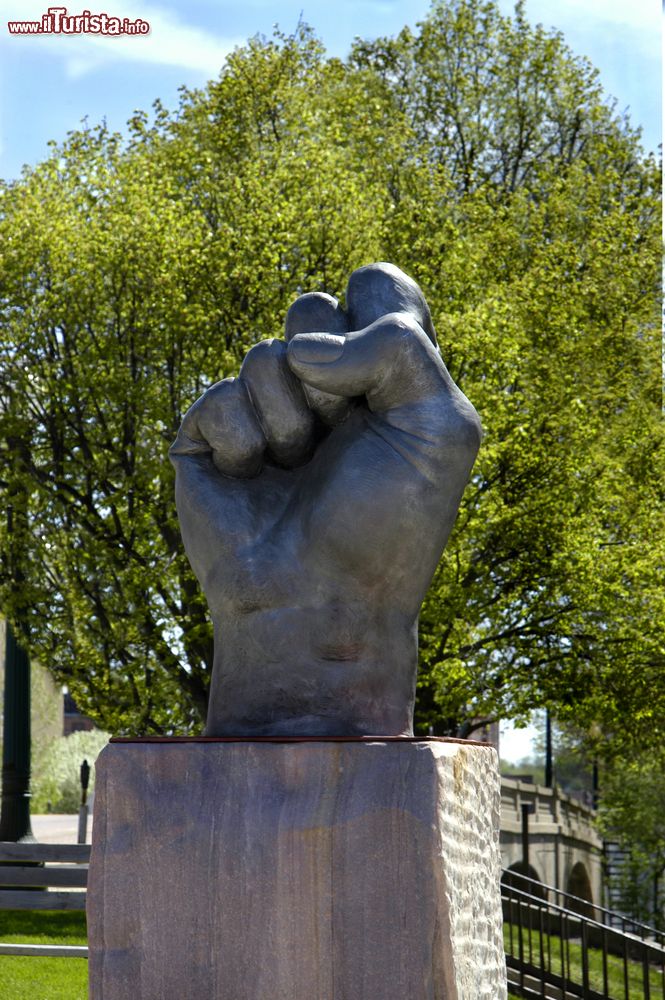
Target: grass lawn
(570,954)
(47,978)
(23,978)
(42,978)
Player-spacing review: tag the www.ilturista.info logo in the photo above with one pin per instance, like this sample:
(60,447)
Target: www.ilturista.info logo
(56,21)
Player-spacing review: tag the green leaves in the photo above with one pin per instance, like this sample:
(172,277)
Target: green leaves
(564,377)
(631,814)
(479,155)
(55,784)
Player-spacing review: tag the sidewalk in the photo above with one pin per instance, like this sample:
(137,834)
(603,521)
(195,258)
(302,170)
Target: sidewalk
(58,828)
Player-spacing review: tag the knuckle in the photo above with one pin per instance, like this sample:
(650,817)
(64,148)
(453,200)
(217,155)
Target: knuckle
(262,358)
(279,401)
(227,421)
(459,424)
(402,337)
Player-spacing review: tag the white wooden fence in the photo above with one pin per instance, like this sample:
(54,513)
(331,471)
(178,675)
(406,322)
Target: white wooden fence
(43,877)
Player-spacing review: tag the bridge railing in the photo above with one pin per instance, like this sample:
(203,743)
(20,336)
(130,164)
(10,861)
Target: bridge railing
(554,952)
(550,806)
(583,907)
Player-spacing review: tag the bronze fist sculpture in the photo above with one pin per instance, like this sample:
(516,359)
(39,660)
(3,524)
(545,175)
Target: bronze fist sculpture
(316,493)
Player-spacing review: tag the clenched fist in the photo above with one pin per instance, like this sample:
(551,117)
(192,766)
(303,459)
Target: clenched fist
(316,493)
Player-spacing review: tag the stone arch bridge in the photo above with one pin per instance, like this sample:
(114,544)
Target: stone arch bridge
(562,845)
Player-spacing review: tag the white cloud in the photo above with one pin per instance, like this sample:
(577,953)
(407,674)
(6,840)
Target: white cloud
(641,15)
(171,42)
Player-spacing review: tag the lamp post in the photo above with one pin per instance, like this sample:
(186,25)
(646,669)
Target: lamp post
(527,809)
(83,809)
(15,808)
(549,769)
(15,814)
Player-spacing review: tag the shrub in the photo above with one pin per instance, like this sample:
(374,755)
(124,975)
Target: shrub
(56,782)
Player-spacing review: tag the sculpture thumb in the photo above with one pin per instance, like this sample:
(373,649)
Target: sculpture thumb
(315,348)
(391,361)
(339,365)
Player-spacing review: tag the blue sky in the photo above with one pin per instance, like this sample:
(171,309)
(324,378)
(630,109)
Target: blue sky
(49,83)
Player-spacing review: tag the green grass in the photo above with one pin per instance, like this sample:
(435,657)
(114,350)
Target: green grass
(39,927)
(572,952)
(23,978)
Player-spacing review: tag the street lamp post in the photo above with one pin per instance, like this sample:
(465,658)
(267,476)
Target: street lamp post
(15,814)
(549,769)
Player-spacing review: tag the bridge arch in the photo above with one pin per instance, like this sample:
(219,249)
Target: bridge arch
(560,834)
(579,884)
(519,868)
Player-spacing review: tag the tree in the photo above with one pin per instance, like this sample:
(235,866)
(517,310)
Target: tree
(131,280)
(56,776)
(628,791)
(631,814)
(573,758)
(480,156)
(548,282)
(90,278)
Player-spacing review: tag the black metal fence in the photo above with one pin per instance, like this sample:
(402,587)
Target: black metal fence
(584,907)
(557,952)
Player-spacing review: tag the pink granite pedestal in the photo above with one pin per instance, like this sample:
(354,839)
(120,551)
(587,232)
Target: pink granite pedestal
(309,870)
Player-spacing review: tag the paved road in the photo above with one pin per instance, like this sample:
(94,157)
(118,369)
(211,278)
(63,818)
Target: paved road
(57,828)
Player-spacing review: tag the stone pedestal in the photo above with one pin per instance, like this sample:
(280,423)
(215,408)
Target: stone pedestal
(315,870)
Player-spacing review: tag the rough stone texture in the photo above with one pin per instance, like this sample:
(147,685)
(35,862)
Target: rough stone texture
(296,871)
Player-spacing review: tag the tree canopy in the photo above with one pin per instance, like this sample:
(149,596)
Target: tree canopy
(631,815)
(480,156)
